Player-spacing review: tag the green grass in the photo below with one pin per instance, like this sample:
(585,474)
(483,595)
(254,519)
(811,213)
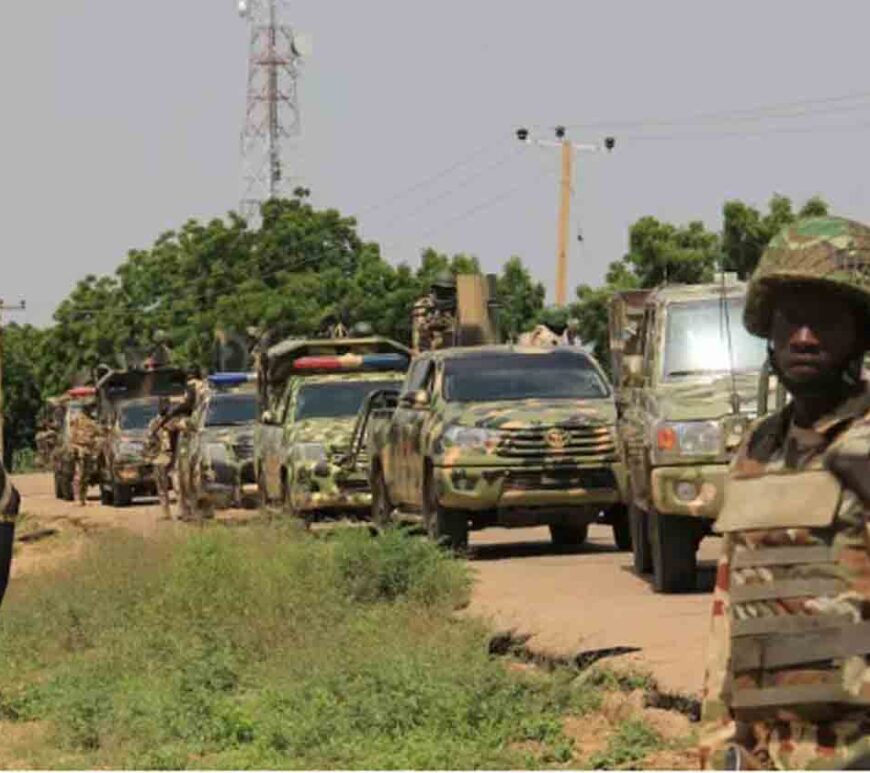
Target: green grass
(628,747)
(265,647)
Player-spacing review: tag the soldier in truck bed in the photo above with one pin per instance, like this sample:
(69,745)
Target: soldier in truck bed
(9,504)
(433,316)
(788,682)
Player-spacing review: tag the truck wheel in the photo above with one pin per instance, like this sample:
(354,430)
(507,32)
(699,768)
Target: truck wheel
(105,495)
(58,486)
(568,536)
(640,547)
(446,527)
(382,510)
(621,528)
(122,496)
(674,544)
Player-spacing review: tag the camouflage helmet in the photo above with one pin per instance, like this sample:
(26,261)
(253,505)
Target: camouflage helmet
(829,252)
(444,279)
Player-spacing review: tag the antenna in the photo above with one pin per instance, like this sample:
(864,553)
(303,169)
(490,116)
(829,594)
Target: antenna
(272,119)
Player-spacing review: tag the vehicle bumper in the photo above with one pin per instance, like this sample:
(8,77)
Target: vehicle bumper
(335,489)
(133,474)
(695,490)
(506,488)
(229,484)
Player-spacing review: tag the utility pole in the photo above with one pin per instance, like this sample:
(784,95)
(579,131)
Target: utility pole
(568,149)
(20,306)
(272,118)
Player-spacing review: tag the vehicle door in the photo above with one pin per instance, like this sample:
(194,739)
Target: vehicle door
(417,429)
(399,449)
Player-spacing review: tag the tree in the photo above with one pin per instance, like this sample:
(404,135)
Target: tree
(520,298)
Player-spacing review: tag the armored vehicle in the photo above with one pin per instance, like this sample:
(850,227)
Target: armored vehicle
(61,455)
(310,393)
(498,435)
(127,401)
(215,454)
(687,377)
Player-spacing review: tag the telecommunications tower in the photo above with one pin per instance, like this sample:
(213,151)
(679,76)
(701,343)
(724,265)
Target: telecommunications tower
(272,108)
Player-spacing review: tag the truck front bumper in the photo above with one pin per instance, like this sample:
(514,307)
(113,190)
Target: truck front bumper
(133,474)
(695,490)
(331,488)
(506,488)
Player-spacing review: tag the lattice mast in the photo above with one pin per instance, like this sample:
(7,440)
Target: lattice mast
(272,118)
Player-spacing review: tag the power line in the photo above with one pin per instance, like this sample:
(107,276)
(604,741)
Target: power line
(760,132)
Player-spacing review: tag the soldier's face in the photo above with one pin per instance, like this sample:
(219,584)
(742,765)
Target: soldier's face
(814,334)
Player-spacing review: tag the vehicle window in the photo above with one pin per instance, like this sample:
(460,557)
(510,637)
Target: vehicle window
(417,375)
(231,410)
(336,399)
(697,339)
(568,375)
(137,416)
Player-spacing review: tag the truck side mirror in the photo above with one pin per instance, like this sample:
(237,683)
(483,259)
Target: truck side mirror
(417,399)
(632,370)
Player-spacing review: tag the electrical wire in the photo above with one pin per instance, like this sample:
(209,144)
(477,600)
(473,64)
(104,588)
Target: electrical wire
(760,132)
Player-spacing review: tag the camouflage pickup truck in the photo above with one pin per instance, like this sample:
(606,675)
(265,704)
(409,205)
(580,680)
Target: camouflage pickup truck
(498,436)
(310,393)
(687,374)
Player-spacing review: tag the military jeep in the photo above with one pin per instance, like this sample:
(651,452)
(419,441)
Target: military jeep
(687,375)
(498,435)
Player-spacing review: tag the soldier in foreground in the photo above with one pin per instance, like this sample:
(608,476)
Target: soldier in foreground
(9,504)
(788,683)
(159,452)
(85,435)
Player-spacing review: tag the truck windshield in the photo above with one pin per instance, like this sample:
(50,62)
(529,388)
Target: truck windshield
(231,410)
(137,416)
(335,399)
(559,375)
(696,340)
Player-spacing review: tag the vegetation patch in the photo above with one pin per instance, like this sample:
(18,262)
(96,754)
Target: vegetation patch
(267,648)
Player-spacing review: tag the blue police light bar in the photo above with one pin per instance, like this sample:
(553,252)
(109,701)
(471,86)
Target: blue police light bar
(231,379)
(385,361)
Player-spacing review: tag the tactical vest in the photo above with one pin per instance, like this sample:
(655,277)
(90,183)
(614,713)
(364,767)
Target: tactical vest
(799,642)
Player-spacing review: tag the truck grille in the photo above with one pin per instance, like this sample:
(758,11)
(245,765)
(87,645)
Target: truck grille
(560,480)
(592,444)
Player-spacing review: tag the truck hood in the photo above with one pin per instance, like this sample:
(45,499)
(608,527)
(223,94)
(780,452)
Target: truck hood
(333,433)
(521,414)
(709,398)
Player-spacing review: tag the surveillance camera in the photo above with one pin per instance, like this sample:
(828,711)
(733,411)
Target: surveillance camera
(609,142)
(523,135)
(560,132)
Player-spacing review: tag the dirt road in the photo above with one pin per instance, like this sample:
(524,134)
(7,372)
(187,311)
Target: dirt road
(567,602)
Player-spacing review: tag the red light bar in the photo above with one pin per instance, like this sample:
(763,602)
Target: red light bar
(82,391)
(318,363)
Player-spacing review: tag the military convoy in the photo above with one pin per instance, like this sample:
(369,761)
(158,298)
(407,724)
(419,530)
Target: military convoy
(687,374)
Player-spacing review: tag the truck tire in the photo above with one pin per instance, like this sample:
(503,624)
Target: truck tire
(565,535)
(122,495)
(445,526)
(640,547)
(621,528)
(673,539)
(58,486)
(382,510)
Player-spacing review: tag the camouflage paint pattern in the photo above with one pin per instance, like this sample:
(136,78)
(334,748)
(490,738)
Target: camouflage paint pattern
(693,398)
(124,451)
(793,581)
(534,453)
(293,479)
(829,251)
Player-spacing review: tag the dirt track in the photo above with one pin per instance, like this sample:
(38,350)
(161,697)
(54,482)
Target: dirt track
(568,603)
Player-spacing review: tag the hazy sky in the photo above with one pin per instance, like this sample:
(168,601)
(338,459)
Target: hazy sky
(121,119)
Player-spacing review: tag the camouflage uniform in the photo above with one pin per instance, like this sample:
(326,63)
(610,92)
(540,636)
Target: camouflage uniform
(541,335)
(9,504)
(787,682)
(159,452)
(433,317)
(85,436)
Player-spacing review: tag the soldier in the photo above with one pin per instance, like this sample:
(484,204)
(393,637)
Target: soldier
(572,331)
(85,436)
(175,421)
(159,452)
(540,335)
(787,683)
(433,317)
(9,504)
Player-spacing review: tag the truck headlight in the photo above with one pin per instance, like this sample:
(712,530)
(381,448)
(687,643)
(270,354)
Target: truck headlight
(310,452)
(471,437)
(688,438)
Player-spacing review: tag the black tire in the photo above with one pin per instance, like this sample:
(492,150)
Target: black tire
(569,535)
(674,543)
(621,528)
(122,495)
(446,527)
(382,510)
(58,486)
(640,546)
(106,496)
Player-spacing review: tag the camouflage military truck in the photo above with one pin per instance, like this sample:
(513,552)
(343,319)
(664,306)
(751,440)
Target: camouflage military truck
(499,435)
(310,393)
(215,454)
(62,456)
(687,379)
(127,401)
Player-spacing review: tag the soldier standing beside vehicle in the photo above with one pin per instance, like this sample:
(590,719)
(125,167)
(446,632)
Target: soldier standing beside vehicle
(433,317)
(9,504)
(85,436)
(159,452)
(788,683)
